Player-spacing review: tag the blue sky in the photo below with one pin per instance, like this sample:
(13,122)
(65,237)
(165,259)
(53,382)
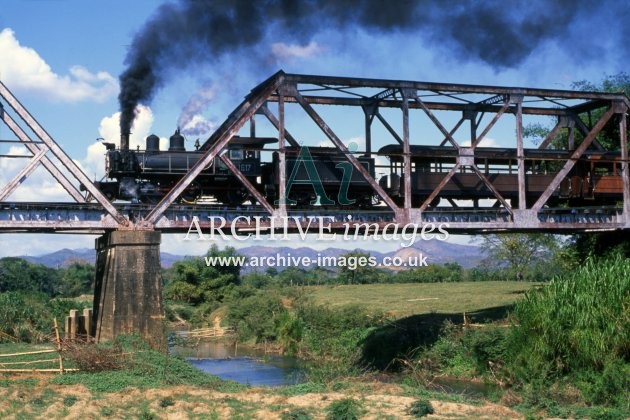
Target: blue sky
(62,59)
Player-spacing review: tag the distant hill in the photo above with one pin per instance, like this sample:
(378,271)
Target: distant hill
(65,257)
(436,252)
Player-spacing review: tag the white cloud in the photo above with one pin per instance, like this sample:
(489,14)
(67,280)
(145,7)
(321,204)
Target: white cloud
(109,130)
(485,142)
(280,50)
(28,71)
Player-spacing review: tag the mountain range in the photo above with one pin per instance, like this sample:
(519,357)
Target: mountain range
(436,252)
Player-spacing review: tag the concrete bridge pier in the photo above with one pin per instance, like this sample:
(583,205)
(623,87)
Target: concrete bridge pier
(128,287)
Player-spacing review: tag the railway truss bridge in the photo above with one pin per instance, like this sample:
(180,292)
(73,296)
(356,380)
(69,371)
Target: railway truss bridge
(435,135)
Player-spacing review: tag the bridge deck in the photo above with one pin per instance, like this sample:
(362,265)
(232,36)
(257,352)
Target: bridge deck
(91,218)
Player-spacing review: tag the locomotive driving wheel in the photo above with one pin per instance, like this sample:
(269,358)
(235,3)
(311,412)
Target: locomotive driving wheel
(191,194)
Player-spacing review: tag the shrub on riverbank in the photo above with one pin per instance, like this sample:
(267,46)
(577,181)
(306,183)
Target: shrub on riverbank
(576,329)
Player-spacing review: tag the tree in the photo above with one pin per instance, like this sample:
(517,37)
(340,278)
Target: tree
(77,279)
(358,268)
(194,281)
(608,136)
(19,274)
(519,252)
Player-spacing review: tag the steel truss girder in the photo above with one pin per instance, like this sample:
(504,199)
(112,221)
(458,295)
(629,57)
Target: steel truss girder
(287,88)
(54,148)
(34,148)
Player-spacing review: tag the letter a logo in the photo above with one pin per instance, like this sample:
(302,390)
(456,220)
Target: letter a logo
(304,157)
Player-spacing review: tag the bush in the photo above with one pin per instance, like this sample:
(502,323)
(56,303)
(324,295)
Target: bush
(577,325)
(95,357)
(29,316)
(420,408)
(345,409)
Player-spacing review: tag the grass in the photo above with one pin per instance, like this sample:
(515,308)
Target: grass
(400,300)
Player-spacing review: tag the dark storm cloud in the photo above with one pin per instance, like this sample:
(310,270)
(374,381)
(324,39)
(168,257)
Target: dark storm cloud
(500,33)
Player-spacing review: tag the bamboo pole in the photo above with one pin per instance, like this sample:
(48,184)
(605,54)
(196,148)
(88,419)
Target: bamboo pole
(58,346)
(28,363)
(36,370)
(28,352)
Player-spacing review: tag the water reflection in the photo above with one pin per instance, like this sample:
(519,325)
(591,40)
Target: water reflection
(242,364)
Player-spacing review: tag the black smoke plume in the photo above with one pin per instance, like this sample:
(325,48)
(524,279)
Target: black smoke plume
(501,33)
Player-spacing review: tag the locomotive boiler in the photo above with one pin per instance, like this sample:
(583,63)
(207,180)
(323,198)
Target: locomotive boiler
(147,175)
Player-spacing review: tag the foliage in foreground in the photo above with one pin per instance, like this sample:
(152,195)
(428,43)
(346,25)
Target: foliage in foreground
(345,409)
(28,317)
(577,326)
(420,408)
(143,368)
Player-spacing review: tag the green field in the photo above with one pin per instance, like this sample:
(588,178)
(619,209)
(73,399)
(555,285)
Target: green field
(399,300)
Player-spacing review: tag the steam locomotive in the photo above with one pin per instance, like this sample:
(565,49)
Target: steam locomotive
(145,176)
(322,174)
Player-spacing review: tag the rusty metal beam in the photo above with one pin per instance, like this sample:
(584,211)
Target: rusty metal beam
(252,190)
(491,124)
(446,87)
(491,187)
(439,187)
(342,147)
(520,152)
(218,141)
(584,129)
(389,127)
(436,106)
(588,106)
(274,121)
(282,158)
(60,154)
(22,175)
(433,118)
(406,152)
(453,130)
(625,169)
(551,135)
(34,147)
(571,162)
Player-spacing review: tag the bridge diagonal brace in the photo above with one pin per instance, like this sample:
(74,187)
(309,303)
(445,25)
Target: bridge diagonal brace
(22,175)
(574,157)
(276,123)
(413,94)
(625,165)
(388,127)
(217,142)
(252,190)
(439,187)
(584,129)
(453,131)
(60,154)
(552,134)
(491,124)
(46,162)
(492,188)
(342,147)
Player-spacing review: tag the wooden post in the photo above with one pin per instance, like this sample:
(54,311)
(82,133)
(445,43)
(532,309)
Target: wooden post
(87,315)
(58,346)
(74,323)
(68,327)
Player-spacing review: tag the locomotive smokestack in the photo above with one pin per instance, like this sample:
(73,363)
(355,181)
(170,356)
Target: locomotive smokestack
(124,141)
